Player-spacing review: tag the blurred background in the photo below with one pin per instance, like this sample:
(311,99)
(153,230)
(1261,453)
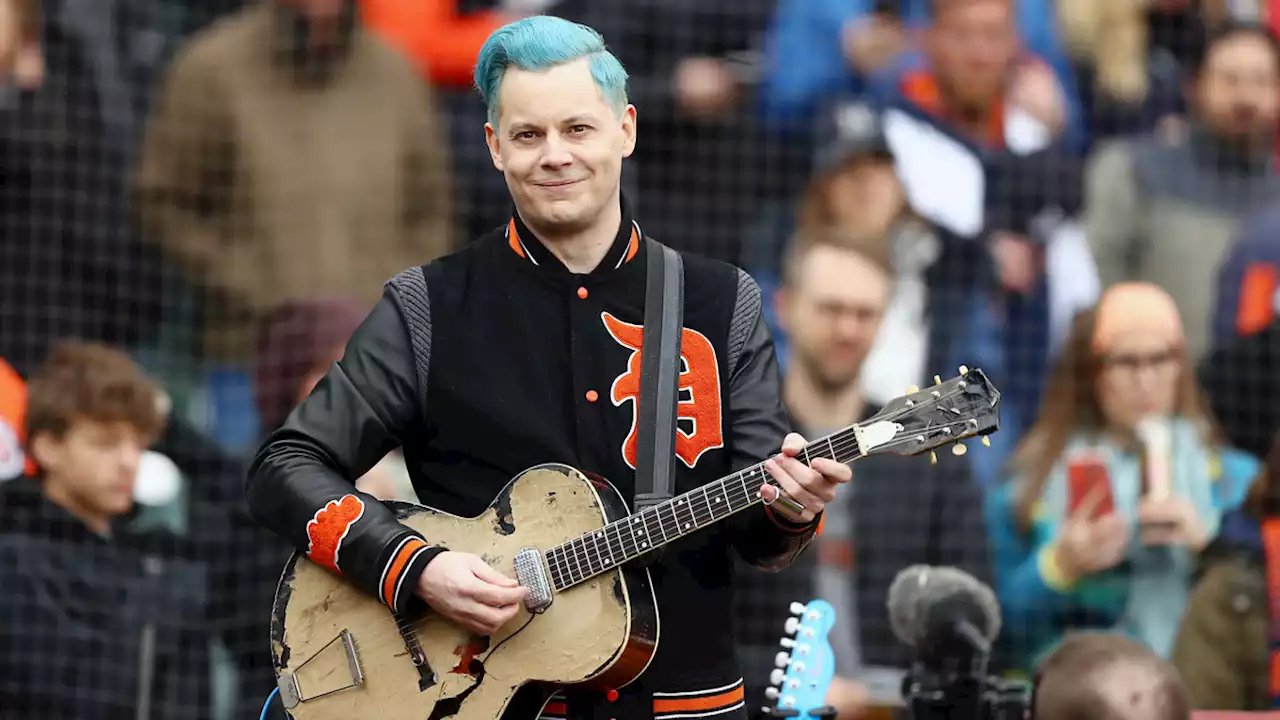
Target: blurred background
(1079,197)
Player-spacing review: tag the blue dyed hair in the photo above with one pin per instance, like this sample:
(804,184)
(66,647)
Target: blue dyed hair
(542,42)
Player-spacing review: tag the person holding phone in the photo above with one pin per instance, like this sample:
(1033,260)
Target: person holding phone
(1117,487)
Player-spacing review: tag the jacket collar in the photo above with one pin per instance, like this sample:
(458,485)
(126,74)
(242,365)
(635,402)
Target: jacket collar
(25,509)
(626,244)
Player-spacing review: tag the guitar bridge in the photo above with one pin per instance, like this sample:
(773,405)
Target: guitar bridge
(531,573)
(290,689)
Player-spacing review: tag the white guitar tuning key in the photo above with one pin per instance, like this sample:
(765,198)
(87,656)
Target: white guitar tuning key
(787,642)
(791,625)
(777,676)
(781,659)
(798,608)
(772,693)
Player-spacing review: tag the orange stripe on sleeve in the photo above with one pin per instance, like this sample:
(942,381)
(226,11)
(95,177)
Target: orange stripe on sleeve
(693,704)
(1257,302)
(396,569)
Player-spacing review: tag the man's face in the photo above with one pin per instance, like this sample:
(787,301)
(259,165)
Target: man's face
(93,465)
(831,311)
(972,45)
(1238,91)
(866,196)
(560,145)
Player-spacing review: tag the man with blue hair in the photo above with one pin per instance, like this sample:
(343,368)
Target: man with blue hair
(522,349)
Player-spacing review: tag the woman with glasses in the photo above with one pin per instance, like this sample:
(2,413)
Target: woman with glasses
(1116,488)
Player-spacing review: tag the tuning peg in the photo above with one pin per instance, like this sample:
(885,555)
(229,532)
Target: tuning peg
(959,449)
(986,441)
(937,380)
(781,659)
(913,389)
(772,693)
(797,608)
(802,650)
(933,458)
(777,676)
(791,625)
(964,370)
(787,642)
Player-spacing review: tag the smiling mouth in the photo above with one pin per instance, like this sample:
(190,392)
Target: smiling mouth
(558,183)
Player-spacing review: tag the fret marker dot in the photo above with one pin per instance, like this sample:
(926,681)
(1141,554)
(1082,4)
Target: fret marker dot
(717,499)
(644,544)
(687,526)
(679,502)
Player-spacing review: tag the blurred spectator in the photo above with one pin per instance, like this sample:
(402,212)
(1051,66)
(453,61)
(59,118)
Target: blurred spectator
(820,48)
(298,343)
(80,595)
(1127,83)
(67,266)
(1077,549)
(1225,645)
(978,127)
(1165,210)
(13,424)
(855,191)
(1241,386)
(1248,287)
(441,40)
(1102,676)
(899,512)
(289,150)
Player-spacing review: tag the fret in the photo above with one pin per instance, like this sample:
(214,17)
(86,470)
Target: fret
(614,535)
(639,534)
(653,523)
(603,554)
(683,512)
(555,559)
(807,460)
(579,559)
(706,515)
(832,448)
(720,506)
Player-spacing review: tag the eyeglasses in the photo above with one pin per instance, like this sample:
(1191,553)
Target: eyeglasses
(1133,362)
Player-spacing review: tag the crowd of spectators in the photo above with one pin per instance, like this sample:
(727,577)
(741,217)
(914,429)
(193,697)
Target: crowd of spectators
(200,200)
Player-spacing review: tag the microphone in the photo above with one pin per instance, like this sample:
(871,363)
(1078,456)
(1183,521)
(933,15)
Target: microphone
(950,620)
(948,617)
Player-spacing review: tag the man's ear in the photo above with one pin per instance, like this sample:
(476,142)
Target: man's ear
(491,139)
(781,307)
(628,121)
(44,450)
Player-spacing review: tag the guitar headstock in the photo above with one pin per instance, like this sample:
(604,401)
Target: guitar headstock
(967,405)
(806,664)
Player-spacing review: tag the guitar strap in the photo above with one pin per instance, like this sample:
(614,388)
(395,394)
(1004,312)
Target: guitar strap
(659,376)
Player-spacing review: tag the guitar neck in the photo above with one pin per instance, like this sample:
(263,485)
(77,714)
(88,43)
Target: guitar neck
(624,540)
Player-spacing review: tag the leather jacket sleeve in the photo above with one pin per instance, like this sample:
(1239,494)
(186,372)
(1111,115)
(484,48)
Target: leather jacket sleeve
(758,424)
(301,484)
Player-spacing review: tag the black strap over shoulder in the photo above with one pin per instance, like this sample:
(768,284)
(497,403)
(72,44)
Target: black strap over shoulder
(659,376)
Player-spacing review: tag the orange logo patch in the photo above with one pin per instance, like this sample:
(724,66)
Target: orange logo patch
(329,527)
(699,377)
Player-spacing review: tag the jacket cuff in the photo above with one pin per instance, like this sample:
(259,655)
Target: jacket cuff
(400,575)
(791,526)
(1051,573)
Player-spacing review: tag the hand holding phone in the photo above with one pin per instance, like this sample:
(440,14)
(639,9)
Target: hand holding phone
(1089,486)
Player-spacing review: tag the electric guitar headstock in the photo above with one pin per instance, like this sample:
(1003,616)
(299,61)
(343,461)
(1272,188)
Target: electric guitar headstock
(805,666)
(966,406)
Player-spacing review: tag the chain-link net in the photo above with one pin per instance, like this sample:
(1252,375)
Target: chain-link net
(220,190)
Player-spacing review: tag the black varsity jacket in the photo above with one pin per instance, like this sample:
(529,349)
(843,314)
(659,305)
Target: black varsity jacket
(528,363)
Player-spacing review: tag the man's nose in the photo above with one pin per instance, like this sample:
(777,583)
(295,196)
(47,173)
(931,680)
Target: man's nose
(556,152)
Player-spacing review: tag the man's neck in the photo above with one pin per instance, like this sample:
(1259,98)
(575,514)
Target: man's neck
(99,523)
(581,251)
(817,407)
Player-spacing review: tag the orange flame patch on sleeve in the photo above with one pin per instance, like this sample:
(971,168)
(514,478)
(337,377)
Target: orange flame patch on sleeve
(329,527)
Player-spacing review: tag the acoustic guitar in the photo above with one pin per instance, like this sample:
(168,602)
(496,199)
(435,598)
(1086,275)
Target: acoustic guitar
(590,616)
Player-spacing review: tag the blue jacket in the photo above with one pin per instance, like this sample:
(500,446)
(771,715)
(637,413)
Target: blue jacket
(804,59)
(1250,272)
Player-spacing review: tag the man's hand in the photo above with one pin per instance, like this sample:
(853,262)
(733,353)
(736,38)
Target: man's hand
(812,486)
(468,592)
(849,697)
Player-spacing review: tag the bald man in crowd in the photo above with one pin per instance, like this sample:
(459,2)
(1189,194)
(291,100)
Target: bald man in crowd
(1104,676)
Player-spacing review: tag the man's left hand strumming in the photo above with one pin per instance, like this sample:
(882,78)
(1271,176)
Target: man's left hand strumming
(812,486)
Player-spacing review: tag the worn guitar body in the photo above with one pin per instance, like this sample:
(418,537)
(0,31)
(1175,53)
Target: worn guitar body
(340,654)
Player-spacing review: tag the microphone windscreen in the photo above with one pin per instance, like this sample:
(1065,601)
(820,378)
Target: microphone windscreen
(919,588)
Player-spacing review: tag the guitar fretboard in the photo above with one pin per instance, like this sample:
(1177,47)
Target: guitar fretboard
(623,540)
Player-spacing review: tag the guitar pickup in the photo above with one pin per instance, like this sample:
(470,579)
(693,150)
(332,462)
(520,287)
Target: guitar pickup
(531,573)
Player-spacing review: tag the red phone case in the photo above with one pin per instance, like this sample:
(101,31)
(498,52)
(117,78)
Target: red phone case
(1084,473)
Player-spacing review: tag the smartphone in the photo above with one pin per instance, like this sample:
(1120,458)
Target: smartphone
(1087,473)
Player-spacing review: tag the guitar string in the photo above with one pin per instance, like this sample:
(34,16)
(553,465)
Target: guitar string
(575,555)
